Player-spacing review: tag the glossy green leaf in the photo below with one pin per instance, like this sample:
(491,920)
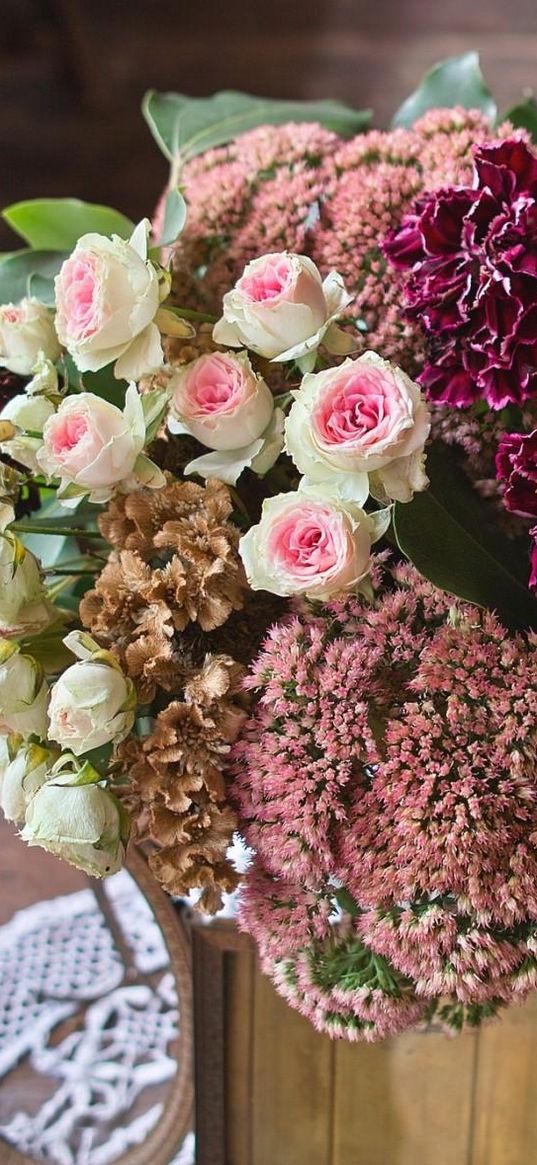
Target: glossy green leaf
(455,81)
(56,224)
(524,116)
(175,212)
(102,383)
(19,270)
(186,126)
(448,534)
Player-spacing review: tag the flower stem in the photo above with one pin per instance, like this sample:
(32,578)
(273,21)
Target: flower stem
(41,528)
(185,313)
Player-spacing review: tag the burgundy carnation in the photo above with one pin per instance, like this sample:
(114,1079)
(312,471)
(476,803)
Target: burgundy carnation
(516,464)
(533,560)
(472,256)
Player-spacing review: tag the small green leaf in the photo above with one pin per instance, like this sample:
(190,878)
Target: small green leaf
(56,224)
(19,270)
(154,405)
(102,383)
(445,534)
(524,115)
(175,212)
(186,126)
(455,81)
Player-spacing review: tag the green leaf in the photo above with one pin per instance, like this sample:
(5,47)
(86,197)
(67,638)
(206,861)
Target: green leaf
(175,213)
(56,224)
(102,383)
(154,405)
(455,81)
(186,126)
(19,270)
(446,534)
(524,115)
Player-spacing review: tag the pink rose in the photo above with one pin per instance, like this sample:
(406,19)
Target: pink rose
(93,446)
(362,425)
(220,401)
(107,298)
(309,543)
(280,307)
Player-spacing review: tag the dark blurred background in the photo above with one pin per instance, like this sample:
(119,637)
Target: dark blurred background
(73,73)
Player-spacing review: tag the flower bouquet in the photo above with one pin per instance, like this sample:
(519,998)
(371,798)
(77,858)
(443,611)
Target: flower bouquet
(269,541)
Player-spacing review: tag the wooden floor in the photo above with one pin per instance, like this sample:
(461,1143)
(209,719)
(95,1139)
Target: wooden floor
(296,1098)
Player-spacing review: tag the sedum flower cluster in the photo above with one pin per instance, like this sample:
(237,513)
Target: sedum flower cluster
(386,782)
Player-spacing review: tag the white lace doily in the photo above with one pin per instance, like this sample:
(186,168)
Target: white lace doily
(98,1034)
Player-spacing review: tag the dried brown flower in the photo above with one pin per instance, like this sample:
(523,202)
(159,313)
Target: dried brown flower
(175,562)
(177,786)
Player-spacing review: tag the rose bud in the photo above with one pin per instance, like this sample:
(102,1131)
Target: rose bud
(361,426)
(310,543)
(23,693)
(24,606)
(26,329)
(281,308)
(75,818)
(92,703)
(22,773)
(107,297)
(25,412)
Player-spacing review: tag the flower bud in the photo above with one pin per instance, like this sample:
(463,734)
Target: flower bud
(24,606)
(25,412)
(23,771)
(23,693)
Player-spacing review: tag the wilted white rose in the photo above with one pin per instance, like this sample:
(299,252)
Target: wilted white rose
(107,297)
(24,606)
(92,703)
(26,329)
(281,308)
(75,818)
(23,693)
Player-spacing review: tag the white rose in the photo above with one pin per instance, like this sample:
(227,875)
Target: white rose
(20,779)
(23,693)
(26,413)
(310,543)
(26,329)
(78,821)
(107,297)
(24,606)
(281,308)
(95,447)
(360,426)
(92,703)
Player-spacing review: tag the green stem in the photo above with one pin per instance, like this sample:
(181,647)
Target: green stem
(52,570)
(58,531)
(185,313)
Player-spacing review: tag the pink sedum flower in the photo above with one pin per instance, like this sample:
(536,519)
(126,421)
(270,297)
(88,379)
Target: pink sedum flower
(364,419)
(93,447)
(309,543)
(220,400)
(281,308)
(26,329)
(107,297)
